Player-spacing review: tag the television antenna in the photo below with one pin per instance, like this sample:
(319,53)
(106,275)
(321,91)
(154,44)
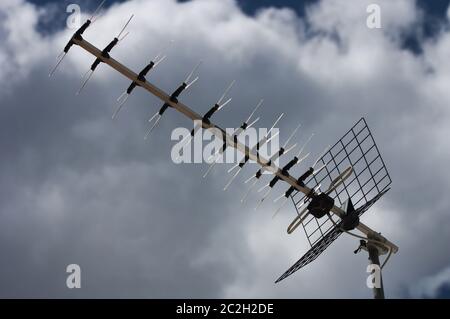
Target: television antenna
(353,168)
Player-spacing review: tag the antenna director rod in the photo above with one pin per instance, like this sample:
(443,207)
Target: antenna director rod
(182,108)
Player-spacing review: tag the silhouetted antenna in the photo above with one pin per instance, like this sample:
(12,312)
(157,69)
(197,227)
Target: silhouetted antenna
(352,168)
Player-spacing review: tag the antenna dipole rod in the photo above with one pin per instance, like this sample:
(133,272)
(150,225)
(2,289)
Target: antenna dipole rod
(188,112)
(226,92)
(254,110)
(306,143)
(192,72)
(276,122)
(291,136)
(160,53)
(97,10)
(123,29)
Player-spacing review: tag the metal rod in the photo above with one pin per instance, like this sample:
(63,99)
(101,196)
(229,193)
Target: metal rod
(160,53)
(192,73)
(86,78)
(122,99)
(60,57)
(123,29)
(255,109)
(291,136)
(97,10)
(225,93)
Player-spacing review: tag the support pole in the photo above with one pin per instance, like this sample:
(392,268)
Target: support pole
(378,293)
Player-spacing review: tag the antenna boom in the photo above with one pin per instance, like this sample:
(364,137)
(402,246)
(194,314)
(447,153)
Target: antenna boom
(182,108)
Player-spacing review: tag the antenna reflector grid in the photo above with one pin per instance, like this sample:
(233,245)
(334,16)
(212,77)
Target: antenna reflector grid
(369,179)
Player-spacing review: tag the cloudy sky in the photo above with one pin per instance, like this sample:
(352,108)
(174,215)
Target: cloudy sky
(77,187)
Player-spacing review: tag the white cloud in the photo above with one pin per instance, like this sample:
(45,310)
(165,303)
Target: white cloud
(142,214)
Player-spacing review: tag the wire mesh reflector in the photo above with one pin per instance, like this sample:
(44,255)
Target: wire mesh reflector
(313,253)
(369,179)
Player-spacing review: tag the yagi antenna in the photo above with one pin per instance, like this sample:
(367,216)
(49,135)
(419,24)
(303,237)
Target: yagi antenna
(94,15)
(350,193)
(140,78)
(105,55)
